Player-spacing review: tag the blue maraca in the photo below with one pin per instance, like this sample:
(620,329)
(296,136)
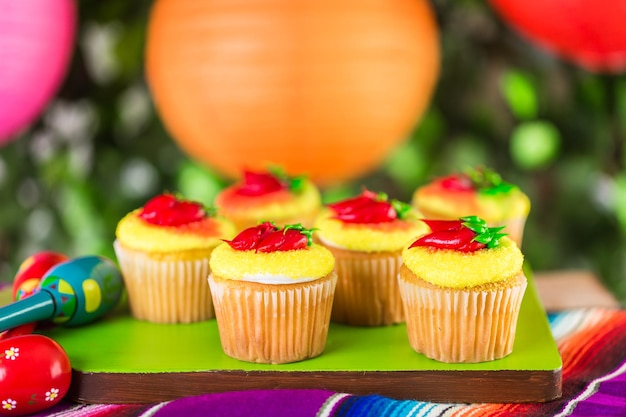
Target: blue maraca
(71,293)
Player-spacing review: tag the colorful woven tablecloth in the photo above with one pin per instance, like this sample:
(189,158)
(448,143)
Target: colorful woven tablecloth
(592,343)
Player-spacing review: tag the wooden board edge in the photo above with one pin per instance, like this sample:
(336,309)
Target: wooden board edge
(506,386)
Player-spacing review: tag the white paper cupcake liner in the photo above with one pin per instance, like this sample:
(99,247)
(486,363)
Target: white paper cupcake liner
(367,291)
(165,291)
(461,325)
(273,323)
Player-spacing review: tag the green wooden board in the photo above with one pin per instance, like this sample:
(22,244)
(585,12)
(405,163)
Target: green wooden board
(120,359)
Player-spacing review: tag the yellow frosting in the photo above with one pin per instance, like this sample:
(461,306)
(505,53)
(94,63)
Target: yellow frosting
(313,262)
(274,206)
(454,204)
(135,233)
(369,237)
(454,269)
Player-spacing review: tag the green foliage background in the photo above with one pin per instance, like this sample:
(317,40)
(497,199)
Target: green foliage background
(550,127)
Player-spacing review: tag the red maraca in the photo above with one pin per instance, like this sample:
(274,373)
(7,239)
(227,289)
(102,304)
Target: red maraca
(26,280)
(35,373)
(32,270)
(72,293)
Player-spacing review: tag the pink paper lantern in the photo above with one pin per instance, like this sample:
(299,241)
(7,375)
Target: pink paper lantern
(36,43)
(588,33)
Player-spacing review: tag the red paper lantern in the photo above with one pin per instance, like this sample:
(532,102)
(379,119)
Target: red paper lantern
(321,87)
(589,33)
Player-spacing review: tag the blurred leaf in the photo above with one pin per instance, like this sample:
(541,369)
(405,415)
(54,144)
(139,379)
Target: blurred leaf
(130,46)
(520,94)
(535,145)
(339,192)
(464,151)
(81,218)
(620,116)
(198,183)
(620,201)
(406,165)
(430,129)
(592,93)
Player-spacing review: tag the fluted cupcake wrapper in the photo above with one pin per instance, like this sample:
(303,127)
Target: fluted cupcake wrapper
(273,323)
(165,291)
(461,325)
(367,291)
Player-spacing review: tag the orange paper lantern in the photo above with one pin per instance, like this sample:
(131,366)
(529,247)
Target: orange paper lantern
(322,87)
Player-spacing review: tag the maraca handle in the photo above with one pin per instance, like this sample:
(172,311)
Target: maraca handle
(39,306)
(71,293)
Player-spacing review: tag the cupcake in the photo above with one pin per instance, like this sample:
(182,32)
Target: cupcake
(163,250)
(462,286)
(273,292)
(476,192)
(269,196)
(366,235)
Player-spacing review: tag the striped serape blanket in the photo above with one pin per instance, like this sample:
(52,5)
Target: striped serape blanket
(592,343)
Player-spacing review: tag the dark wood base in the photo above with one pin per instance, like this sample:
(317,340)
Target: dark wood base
(436,386)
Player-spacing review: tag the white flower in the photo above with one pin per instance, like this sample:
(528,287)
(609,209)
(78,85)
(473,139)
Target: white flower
(52,394)
(9,404)
(12,353)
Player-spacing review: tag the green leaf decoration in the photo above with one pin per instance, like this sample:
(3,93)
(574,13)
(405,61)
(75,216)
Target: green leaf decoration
(487,181)
(402,209)
(489,236)
(307,232)
(294,184)
(382,196)
(209,211)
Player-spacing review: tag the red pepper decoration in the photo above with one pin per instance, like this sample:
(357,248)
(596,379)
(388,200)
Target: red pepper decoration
(369,207)
(457,182)
(480,179)
(261,183)
(283,240)
(249,238)
(267,237)
(169,210)
(468,234)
